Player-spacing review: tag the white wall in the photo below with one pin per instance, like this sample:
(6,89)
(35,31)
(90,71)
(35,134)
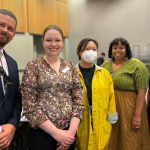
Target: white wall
(105,20)
(21,49)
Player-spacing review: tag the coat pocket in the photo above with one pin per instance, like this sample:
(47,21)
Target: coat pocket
(105,134)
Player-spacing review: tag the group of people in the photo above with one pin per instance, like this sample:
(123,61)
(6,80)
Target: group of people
(74,107)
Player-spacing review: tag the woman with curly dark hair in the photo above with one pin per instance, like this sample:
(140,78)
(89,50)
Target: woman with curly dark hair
(130,78)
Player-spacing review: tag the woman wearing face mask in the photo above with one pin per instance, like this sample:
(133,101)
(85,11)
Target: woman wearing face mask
(95,129)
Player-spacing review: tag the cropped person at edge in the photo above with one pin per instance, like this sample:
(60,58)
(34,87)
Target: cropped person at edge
(130,78)
(10,96)
(52,97)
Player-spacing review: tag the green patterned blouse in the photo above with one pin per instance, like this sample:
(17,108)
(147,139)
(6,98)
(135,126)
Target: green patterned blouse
(133,75)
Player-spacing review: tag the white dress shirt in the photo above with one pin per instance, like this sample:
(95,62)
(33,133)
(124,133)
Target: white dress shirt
(5,67)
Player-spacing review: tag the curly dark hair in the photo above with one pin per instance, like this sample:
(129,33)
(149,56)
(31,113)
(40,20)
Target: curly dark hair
(82,45)
(123,42)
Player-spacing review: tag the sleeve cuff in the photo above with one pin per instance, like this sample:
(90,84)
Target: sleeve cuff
(112,117)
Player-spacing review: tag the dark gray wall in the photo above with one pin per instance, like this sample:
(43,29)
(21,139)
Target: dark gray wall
(105,20)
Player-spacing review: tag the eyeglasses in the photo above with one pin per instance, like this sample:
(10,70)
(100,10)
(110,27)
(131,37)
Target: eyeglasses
(7,80)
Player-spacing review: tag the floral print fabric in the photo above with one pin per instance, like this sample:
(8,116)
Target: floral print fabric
(47,95)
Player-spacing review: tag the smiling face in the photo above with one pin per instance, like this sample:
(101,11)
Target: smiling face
(119,51)
(7,29)
(52,42)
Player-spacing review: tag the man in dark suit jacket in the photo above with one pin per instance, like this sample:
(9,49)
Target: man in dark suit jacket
(100,60)
(10,97)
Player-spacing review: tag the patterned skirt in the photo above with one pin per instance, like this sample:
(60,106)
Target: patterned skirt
(122,136)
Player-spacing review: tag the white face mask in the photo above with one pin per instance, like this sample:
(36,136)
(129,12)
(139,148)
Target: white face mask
(89,56)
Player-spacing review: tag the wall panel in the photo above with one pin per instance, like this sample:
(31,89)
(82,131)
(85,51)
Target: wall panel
(42,13)
(19,8)
(63,1)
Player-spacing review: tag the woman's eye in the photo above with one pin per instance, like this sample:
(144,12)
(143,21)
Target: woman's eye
(57,40)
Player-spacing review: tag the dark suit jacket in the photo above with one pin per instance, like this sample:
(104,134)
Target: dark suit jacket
(10,103)
(100,61)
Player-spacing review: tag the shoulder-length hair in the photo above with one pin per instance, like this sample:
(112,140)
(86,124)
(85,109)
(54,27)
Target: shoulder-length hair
(123,42)
(82,45)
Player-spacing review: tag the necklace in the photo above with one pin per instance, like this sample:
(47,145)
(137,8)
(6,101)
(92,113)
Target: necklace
(116,66)
(55,65)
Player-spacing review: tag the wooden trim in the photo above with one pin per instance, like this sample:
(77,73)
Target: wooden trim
(26,15)
(66,1)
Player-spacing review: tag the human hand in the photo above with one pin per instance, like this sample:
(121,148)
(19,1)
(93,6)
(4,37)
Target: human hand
(136,124)
(61,147)
(63,138)
(6,135)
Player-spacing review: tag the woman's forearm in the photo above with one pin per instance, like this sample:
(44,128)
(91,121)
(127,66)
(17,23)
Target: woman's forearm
(48,127)
(148,98)
(74,123)
(140,100)
(59,135)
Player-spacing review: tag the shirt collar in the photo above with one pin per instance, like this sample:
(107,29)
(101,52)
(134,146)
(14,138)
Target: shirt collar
(96,66)
(2,51)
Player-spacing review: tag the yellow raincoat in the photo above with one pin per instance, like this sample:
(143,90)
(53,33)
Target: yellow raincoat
(103,103)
